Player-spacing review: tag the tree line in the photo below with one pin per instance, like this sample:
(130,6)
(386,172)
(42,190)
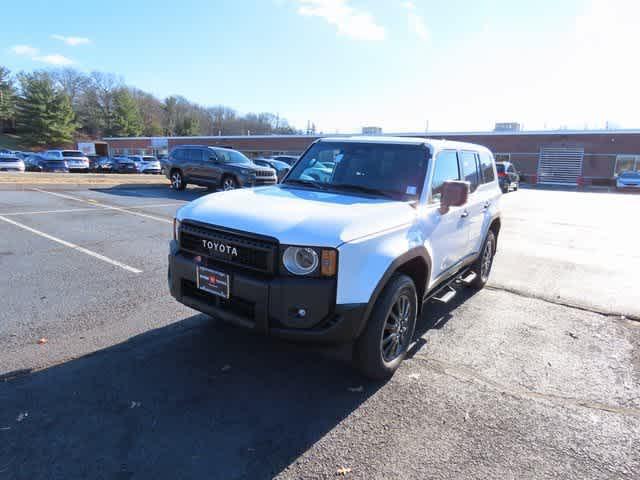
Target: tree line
(52,107)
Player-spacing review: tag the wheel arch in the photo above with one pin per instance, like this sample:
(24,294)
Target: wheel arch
(416,264)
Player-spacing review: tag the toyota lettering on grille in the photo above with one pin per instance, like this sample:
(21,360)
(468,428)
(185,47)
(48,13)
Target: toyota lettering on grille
(220,248)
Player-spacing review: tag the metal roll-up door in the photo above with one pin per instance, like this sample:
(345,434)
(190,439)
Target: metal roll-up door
(560,165)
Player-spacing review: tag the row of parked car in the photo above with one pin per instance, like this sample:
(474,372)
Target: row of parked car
(75,161)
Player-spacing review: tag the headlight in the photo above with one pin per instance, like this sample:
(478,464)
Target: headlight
(300,260)
(176,229)
(244,171)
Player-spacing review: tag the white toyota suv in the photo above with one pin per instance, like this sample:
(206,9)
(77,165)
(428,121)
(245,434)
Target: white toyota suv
(358,236)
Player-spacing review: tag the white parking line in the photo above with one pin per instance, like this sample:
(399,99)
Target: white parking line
(110,207)
(72,246)
(93,209)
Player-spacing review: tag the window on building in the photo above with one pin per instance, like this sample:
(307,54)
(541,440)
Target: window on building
(486,166)
(469,166)
(446,168)
(626,163)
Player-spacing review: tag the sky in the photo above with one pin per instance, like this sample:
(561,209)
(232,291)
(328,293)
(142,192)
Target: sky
(405,66)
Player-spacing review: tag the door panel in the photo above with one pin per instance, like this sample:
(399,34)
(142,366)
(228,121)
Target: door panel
(477,204)
(449,232)
(211,168)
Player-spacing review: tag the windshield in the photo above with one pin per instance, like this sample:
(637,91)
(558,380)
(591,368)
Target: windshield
(630,174)
(148,159)
(393,170)
(72,153)
(231,156)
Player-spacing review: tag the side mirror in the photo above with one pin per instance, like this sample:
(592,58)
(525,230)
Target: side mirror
(455,193)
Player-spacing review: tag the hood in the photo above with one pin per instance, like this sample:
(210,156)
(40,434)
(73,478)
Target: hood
(297,216)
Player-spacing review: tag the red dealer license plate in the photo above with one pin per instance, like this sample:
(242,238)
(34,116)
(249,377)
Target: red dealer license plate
(213,281)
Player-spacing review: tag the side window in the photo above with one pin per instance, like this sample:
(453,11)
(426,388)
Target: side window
(178,154)
(469,165)
(446,168)
(486,165)
(223,156)
(196,155)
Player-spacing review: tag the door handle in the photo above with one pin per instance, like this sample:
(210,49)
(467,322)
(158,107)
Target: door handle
(464,214)
(486,205)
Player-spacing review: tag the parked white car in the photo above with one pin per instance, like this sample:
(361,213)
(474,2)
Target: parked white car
(75,159)
(11,163)
(146,163)
(349,257)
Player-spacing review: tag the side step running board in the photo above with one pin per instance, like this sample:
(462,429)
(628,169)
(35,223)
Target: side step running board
(469,277)
(445,295)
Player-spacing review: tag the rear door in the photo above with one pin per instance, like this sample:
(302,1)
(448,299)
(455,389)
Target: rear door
(478,198)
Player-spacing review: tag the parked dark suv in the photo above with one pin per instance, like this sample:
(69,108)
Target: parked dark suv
(508,176)
(214,167)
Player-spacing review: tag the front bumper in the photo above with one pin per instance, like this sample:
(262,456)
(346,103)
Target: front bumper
(268,305)
(630,186)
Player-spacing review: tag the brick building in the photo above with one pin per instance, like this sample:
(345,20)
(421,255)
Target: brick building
(554,157)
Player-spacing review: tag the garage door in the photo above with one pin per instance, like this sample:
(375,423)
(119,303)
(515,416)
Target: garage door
(560,165)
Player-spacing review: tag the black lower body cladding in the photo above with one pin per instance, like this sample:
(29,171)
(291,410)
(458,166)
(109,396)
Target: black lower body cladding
(301,309)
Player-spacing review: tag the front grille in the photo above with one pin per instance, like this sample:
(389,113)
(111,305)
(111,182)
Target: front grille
(239,249)
(264,173)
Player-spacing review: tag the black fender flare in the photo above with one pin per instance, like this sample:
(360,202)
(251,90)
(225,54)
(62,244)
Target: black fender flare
(416,252)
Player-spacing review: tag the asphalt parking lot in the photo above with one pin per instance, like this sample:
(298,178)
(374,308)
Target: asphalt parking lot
(537,376)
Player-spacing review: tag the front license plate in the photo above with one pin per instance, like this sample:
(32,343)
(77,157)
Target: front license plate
(213,281)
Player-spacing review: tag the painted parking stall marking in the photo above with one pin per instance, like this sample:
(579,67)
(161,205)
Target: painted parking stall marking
(103,205)
(95,208)
(72,246)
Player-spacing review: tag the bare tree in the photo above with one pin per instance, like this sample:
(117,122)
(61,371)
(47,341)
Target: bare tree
(72,82)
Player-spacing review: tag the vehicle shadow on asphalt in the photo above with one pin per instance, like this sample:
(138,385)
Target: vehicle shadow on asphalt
(196,399)
(166,193)
(435,316)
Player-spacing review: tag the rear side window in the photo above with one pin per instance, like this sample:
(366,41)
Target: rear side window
(469,165)
(486,165)
(446,168)
(178,154)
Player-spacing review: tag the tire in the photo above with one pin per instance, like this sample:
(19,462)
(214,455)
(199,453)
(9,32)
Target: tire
(515,189)
(383,345)
(177,180)
(482,266)
(228,183)
(505,189)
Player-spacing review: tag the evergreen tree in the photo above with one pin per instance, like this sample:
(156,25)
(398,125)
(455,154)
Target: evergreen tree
(188,127)
(127,121)
(7,95)
(44,115)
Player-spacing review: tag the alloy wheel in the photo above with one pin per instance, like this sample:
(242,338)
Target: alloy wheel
(487,259)
(176,180)
(396,329)
(228,184)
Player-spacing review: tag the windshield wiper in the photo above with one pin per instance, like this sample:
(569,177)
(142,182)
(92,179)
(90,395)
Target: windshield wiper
(363,189)
(305,183)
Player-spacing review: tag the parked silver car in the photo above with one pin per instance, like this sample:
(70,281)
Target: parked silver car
(628,180)
(146,163)
(11,163)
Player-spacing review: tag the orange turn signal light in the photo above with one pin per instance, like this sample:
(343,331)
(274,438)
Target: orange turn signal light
(328,264)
